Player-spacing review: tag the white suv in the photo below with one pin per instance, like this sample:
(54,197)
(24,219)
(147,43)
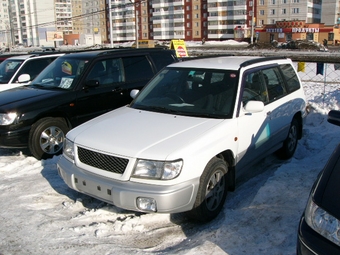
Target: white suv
(21,70)
(186,137)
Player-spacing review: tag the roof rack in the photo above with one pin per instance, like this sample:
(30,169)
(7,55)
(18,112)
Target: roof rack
(260,59)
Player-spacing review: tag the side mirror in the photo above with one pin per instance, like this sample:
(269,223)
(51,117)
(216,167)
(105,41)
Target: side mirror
(254,106)
(134,93)
(334,117)
(24,78)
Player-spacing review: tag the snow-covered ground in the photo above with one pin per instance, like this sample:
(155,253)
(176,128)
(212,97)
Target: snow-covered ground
(40,215)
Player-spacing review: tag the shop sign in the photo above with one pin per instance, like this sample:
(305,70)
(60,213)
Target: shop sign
(274,30)
(305,30)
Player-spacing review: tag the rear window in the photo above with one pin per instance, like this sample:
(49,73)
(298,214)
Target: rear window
(162,59)
(137,68)
(291,77)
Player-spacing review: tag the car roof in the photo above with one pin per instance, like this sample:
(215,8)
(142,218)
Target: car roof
(26,56)
(94,53)
(223,62)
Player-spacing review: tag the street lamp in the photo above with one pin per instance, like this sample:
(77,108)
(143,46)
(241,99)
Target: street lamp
(252,24)
(136,22)
(110,18)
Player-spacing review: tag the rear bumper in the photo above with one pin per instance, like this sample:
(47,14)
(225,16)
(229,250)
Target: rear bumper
(123,194)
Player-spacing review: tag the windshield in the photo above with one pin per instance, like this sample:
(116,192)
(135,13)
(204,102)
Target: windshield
(61,73)
(190,92)
(8,69)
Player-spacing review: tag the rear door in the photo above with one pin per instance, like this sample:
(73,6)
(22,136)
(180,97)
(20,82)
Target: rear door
(262,132)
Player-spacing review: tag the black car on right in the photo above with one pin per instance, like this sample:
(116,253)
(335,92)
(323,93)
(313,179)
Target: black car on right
(319,228)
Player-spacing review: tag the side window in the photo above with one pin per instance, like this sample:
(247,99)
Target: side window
(291,77)
(107,72)
(34,66)
(255,88)
(275,85)
(97,72)
(137,68)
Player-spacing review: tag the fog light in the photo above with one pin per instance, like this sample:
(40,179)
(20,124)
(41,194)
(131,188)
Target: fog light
(146,204)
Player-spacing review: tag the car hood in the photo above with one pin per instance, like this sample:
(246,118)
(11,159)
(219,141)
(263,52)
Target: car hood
(136,133)
(22,94)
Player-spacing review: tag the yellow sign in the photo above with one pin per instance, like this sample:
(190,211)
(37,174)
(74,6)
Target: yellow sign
(66,68)
(179,47)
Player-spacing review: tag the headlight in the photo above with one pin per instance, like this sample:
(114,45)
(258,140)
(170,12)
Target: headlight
(322,222)
(157,169)
(68,149)
(7,118)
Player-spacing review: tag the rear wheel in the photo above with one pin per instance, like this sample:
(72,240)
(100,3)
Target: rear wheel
(212,191)
(47,137)
(289,145)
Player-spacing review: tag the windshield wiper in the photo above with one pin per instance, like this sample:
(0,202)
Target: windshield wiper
(160,109)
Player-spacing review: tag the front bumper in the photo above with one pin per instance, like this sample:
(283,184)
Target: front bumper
(123,194)
(311,243)
(14,138)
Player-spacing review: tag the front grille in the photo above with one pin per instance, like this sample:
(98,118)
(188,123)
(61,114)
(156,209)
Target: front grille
(102,161)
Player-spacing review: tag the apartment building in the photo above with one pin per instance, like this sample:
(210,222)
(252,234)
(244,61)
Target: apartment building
(330,14)
(28,20)
(270,11)
(31,22)
(4,24)
(89,20)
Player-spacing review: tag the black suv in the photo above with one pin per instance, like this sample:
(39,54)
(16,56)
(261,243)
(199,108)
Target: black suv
(76,87)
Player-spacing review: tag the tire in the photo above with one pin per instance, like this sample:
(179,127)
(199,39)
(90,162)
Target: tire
(289,145)
(211,193)
(47,137)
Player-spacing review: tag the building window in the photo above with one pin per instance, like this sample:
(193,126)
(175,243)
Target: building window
(295,10)
(283,11)
(272,11)
(284,1)
(261,2)
(273,1)
(261,12)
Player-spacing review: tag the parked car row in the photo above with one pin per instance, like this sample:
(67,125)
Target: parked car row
(177,144)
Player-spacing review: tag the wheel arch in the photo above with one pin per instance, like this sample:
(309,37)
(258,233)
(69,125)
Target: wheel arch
(60,115)
(298,117)
(229,157)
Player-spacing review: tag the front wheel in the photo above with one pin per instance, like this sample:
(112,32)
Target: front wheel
(289,145)
(47,137)
(212,191)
